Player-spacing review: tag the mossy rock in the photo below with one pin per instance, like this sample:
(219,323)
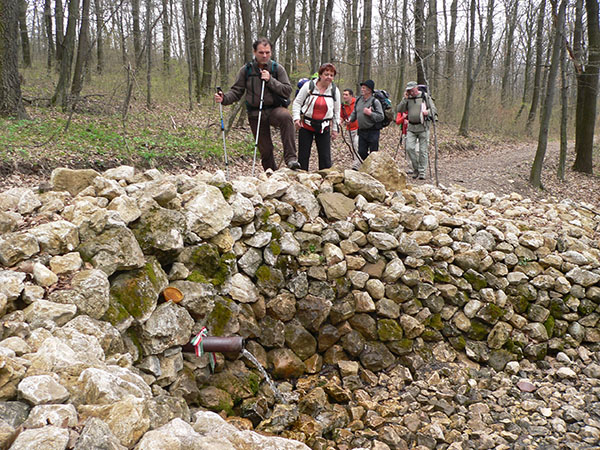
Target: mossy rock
(441,276)
(402,347)
(490,313)
(275,247)
(136,293)
(458,343)
(269,279)
(288,265)
(208,266)
(460,299)
(558,307)
(586,307)
(431,335)
(514,347)
(225,188)
(549,325)
(342,287)
(223,319)
(520,303)
(479,330)
(240,385)
(475,279)
(427,274)
(389,330)
(435,321)
(274,229)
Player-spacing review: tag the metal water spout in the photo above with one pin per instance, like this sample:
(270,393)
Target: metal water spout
(219,344)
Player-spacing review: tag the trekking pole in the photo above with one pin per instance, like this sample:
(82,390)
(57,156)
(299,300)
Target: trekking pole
(220,91)
(427,99)
(353,151)
(262,93)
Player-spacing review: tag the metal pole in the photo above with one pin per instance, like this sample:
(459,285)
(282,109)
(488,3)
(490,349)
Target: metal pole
(223,132)
(262,93)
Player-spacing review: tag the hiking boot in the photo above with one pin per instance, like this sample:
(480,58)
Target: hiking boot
(421,177)
(293,164)
(415,175)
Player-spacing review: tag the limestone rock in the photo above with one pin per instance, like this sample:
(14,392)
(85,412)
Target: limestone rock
(104,387)
(336,206)
(206,211)
(168,325)
(96,435)
(11,284)
(17,247)
(363,184)
(45,438)
(39,312)
(303,200)
(73,181)
(42,389)
(382,167)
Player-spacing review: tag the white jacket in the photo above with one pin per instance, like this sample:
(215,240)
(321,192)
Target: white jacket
(300,106)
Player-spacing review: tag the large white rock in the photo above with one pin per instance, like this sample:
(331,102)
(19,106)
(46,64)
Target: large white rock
(57,237)
(42,389)
(46,438)
(39,312)
(104,387)
(11,284)
(243,289)
(207,212)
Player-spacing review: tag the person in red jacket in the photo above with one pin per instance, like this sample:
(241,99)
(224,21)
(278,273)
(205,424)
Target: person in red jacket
(348,102)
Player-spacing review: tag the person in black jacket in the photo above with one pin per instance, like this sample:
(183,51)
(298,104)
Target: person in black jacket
(369,112)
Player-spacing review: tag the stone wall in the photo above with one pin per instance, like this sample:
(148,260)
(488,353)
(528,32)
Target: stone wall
(336,270)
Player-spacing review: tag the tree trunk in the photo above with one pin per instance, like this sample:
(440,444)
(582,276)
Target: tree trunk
(148,54)
(312,32)
(223,72)
(403,53)
(209,43)
(82,50)
(511,23)
(564,112)
(247,20)
(188,35)
(587,94)
(61,96)
(432,46)
(327,32)
(535,177)
(25,47)
(11,102)
(420,50)
(366,51)
(60,36)
(528,54)
(290,41)
(137,33)
(539,53)
(166,29)
(99,9)
(49,36)
(451,56)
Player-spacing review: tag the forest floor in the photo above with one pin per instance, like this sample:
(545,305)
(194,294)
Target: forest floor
(480,162)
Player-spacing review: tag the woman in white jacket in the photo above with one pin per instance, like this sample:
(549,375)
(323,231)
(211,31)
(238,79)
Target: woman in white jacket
(316,113)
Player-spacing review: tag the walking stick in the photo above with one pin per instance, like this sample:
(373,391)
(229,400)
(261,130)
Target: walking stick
(220,91)
(353,151)
(262,93)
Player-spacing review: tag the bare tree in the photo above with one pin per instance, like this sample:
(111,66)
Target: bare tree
(25,47)
(587,94)
(82,49)
(209,43)
(148,47)
(246,10)
(535,176)
(223,43)
(48,28)
(99,11)
(366,53)
(564,112)
(451,55)
(512,8)
(60,96)
(11,101)
(327,49)
(59,18)
(539,52)
(137,33)
(166,29)
(420,50)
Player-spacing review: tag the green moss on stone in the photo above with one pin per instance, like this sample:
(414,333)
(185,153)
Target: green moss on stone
(209,266)
(197,277)
(218,318)
(493,313)
(263,273)
(132,334)
(476,280)
(458,343)
(441,276)
(426,273)
(479,331)
(389,330)
(435,322)
(225,188)
(275,248)
(254,383)
(520,303)
(116,313)
(549,325)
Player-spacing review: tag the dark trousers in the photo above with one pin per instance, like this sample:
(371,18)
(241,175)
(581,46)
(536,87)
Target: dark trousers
(323,141)
(279,118)
(368,141)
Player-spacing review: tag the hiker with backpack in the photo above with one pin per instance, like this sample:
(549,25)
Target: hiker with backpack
(316,112)
(421,111)
(268,89)
(348,104)
(369,112)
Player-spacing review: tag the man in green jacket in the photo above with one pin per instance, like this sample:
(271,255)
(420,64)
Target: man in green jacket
(421,111)
(274,111)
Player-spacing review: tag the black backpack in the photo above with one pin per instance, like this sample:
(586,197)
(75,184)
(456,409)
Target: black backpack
(386,105)
(279,100)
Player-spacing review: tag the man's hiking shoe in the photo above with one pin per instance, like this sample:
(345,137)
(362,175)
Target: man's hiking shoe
(415,175)
(421,177)
(293,164)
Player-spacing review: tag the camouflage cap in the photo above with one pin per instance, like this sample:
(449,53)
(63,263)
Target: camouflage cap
(410,85)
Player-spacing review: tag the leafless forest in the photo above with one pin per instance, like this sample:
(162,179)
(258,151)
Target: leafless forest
(511,66)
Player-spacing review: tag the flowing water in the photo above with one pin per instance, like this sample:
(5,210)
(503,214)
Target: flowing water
(263,372)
